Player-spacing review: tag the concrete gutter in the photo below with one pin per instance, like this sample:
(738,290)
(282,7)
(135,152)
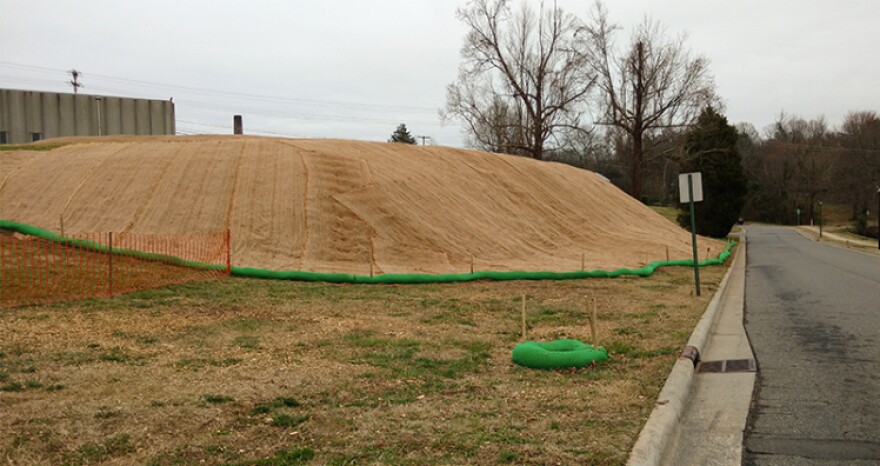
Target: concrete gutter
(657,434)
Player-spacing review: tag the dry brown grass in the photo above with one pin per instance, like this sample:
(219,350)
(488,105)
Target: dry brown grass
(236,370)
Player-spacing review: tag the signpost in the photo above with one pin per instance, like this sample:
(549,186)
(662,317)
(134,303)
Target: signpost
(820,219)
(690,190)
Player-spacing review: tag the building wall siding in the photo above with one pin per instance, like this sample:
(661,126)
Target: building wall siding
(53,114)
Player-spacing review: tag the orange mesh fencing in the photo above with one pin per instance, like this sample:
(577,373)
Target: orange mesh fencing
(35,270)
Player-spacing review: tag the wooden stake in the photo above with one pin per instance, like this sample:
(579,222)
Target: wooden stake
(61,219)
(582,261)
(524,317)
(707,253)
(110,263)
(667,253)
(472,264)
(593,331)
(372,256)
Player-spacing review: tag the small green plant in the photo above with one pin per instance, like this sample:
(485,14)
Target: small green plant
(106,413)
(115,355)
(55,387)
(20,365)
(148,340)
(215,450)
(279,402)
(28,368)
(200,363)
(507,456)
(261,409)
(217,399)
(92,453)
(247,324)
(286,420)
(282,458)
(285,401)
(12,387)
(631,352)
(627,331)
(617,347)
(33,384)
(247,342)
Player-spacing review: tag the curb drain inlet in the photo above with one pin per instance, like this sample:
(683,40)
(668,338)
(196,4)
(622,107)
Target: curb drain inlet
(727,365)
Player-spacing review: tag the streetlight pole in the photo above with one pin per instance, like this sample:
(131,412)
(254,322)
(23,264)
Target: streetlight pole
(98,100)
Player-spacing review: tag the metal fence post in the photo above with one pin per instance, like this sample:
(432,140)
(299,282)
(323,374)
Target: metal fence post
(228,251)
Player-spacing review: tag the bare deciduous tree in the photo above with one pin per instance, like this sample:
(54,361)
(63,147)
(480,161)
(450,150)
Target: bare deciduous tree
(522,84)
(655,84)
(860,167)
(805,144)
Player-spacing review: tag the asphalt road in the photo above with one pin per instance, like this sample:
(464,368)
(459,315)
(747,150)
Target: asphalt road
(813,318)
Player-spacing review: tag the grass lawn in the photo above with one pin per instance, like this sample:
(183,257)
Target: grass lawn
(250,372)
(669,213)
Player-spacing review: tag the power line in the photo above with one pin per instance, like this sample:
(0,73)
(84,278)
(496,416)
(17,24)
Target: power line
(251,131)
(299,115)
(295,115)
(234,94)
(31,81)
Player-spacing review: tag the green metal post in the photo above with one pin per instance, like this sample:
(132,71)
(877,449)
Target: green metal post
(694,233)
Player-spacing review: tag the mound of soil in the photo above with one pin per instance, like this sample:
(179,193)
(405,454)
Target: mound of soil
(338,206)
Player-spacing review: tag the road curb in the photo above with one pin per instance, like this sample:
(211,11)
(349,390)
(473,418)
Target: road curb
(655,437)
(842,244)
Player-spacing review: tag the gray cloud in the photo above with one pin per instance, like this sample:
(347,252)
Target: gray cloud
(354,69)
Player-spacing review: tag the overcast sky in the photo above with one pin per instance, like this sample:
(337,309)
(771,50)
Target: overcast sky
(355,69)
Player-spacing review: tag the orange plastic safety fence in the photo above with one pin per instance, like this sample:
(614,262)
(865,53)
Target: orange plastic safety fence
(35,270)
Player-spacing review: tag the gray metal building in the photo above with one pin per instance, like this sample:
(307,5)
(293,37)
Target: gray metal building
(27,116)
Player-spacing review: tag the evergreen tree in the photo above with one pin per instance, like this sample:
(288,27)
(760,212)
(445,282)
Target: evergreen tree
(402,135)
(711,149)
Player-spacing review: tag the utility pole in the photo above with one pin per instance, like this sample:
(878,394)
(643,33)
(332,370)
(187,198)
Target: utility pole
(75,74)
(423,138)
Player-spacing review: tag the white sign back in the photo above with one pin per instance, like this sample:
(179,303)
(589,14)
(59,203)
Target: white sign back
(696,180)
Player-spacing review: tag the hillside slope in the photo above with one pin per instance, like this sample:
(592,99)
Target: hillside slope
(335,206)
